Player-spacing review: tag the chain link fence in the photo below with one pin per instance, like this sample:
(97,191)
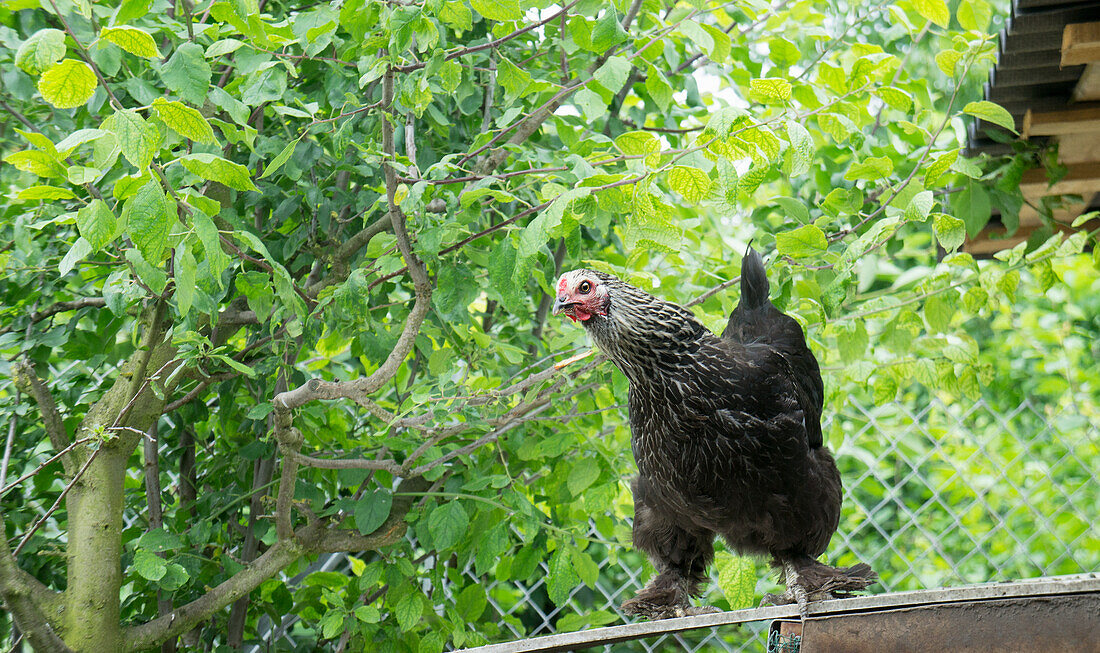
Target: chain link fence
(936,494)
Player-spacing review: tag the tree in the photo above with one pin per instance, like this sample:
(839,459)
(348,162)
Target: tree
(278,279)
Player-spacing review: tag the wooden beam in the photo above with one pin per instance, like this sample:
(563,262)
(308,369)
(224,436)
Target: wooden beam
(1029,217)
(1056,123)
(1080,43)
(1074,149)
(1088,87)
(993,239)
(1082,179)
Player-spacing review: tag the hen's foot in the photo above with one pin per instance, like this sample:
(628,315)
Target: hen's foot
(653,611)
(663,603)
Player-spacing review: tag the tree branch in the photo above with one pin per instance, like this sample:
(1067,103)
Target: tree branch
(33,606)
(491,44)
(62,307)
(311,539)
(27,380)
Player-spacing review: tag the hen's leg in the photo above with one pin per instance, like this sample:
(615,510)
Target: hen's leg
(810,580)
(680,558)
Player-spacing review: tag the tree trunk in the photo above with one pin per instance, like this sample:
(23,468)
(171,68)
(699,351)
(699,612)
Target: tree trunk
(95,507)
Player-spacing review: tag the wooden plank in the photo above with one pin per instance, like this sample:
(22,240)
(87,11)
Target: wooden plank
(1056,123)
(1078,150)
(1052,21)
(993,239)
(1037,588)
(1029,217)
(1088,87)
(1082,179)
(1080,43)
(1028,76)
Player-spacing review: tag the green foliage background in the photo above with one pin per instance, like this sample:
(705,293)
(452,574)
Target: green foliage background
(207,182)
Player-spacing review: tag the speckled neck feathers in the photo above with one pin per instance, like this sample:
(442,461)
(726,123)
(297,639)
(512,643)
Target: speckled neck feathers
(649,339)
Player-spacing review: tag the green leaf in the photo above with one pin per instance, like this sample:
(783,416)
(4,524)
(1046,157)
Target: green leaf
(801,149)
(136,138)
(187,73)
(45,193)
(97,224)
(658,88)
(67,85)
(607,32)
(938,310)
(149,565)
(933,10)
(36,162)
(490,547)
(613,73)
(471,602)
(895,98)
(852,343)
(148,220)
(783,53)
(498,9)
(78,138)
(372,510)
(805,242)
(186,269)
(41,51)
(158,540)
(587,569)
(368,614)
(920,206)
(514,80)
(408,611)
(947,61)
(216,258)
(214,168)
(80,249)
(950,231)
(447,524)
(175,577)
(637,143)
(186,122)
(591,104)
(133,40)
(456,14)
(991,112)
(974,15)
(691,183)
(132,9)
(736,578)
(973,207)
(941,165)
(871,169)
(562,577)
(794,208)
(885,391)
(281,158)
(770,88)
(223,47)
(583,474)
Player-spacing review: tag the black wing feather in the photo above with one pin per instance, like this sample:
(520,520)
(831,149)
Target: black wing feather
(756,320)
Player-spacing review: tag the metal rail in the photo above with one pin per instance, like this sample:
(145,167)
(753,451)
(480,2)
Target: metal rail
(1071,595)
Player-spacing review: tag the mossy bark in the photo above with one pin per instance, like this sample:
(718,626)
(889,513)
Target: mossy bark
(96,502)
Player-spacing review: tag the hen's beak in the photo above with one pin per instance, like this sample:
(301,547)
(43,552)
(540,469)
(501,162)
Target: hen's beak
(561,303)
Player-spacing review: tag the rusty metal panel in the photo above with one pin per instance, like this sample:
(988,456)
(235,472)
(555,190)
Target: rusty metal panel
(1062,624)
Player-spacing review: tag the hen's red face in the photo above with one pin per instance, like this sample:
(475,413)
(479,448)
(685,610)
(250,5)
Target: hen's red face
(580,296)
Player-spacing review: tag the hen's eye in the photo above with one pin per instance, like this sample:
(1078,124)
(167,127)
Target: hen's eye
(585,287)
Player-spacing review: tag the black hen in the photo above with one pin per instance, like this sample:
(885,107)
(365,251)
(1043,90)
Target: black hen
(726,432)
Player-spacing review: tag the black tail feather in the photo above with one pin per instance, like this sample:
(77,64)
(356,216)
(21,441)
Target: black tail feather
(754,281)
